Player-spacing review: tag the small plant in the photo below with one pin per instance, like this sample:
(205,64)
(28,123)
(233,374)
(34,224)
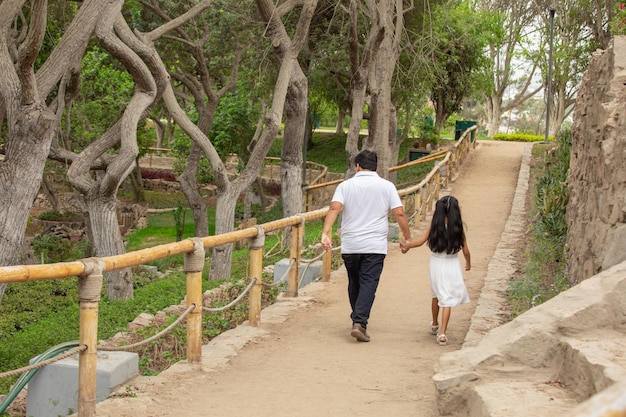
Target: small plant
(618,24)
(545,273)
(66,216)
(50,248)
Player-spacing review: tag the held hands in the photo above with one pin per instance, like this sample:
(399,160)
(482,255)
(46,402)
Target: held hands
(404,246)
(468,266)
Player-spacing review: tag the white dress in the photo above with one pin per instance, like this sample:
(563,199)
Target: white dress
(446,280)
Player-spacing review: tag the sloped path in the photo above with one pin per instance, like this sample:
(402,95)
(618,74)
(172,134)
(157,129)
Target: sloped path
(302,361)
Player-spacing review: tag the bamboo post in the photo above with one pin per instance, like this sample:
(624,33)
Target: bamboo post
(89,287)
(451,165)
(326,265)
(437,182)
(305,193)
(446,177)
(422,202)
(309,201)
(294,255)
(430,195)
(256,272)
(418,208)
(194,264)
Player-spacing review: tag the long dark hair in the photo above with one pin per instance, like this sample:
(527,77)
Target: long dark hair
(450,238)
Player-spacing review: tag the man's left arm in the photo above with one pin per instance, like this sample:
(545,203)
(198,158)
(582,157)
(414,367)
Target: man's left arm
(334,210)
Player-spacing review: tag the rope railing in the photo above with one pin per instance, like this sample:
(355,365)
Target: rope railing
(90,273)
(150,339)
(39,365)
(232,303)
(282,279)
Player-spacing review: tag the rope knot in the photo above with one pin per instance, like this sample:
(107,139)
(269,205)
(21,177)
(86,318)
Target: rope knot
(194,260)
(258,241)
(90,283)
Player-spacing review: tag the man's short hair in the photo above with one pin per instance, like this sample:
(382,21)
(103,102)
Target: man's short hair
(367,160)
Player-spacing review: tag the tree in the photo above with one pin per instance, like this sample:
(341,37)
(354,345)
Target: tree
(201,76)
(99,169)
(383,122)
(513,56)
(229,190)
(362,59)
(459,60)
(30,89)
(574,42)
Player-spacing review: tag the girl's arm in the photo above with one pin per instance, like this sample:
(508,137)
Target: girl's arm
(405,246)
(466,254)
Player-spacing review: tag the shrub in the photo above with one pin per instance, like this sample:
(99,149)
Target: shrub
(52,248)
(520,137)
(545,273)
(66,216)
(157,174)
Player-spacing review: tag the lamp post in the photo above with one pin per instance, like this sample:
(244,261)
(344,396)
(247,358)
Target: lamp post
(549,93)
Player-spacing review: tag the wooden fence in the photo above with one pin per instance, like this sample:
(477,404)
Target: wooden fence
(417,199)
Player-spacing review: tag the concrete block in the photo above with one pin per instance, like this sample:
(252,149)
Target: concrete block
(394,231)
(308,272)
(53,391)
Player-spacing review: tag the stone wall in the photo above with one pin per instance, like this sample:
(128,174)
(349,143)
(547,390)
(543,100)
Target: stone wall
(596,213)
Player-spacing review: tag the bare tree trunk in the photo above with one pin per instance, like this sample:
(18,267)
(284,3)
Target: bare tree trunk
(395,141)
(108,241)
(247,204)
(291,158)
(168,132)
(224,215)
(26,154)
(50,194)
(262,197)
(360,67)
(159,130)
(136,183)
(340,117)
(189,187)
(383,135)
(494,111)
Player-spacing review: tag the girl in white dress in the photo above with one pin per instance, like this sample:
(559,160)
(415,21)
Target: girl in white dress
(446,238)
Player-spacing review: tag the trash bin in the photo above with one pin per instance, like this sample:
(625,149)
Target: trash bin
(461,126)
(417,154)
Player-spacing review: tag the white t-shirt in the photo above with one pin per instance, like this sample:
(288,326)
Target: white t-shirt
(367,200)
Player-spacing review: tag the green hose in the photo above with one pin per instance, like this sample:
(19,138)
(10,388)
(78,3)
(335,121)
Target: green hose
(26,376)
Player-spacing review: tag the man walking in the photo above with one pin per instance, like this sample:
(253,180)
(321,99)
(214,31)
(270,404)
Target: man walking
(365,200)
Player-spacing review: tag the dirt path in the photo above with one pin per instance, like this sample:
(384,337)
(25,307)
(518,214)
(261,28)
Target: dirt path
(308,365)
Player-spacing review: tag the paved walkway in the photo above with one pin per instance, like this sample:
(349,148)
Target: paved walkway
(302,361)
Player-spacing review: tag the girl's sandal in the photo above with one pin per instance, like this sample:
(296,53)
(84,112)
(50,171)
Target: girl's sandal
(434,328)
(442,339)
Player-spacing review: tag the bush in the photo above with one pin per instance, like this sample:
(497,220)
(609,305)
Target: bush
(545,273)
(55,216)
(51,248)
(520,137)
(157,174)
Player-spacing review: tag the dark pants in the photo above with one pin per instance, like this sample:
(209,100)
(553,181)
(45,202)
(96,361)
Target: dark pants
(363,276)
